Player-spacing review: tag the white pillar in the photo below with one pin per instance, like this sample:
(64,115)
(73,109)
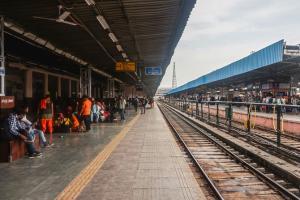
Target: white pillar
(59,86)
(70,88)
(78,88)
(86,81)
(28,84)
(2,58)
(46,81)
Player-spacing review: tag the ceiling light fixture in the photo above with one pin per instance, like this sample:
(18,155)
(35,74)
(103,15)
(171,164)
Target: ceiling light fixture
(124,55)
(103,22)
(17,29)
(119,47)
(90,2)
(113,37)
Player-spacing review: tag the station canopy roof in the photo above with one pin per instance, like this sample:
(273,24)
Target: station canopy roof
(274,61)
(146,30)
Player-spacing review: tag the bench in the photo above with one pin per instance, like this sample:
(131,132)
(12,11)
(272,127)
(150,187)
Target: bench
(11,150)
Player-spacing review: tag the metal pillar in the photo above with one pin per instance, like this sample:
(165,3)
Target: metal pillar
(197,110)
(278,131)
(248,118)
(217,114)
(2,59)
(230,116)
(28,84)
(85,82)
(70,88)
(201,110)
(111,87)
(58,86)
(208,110)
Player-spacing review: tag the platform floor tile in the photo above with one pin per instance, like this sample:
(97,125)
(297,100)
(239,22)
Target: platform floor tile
(147,164)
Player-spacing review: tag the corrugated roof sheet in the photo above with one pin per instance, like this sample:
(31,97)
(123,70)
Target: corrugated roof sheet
(148,30)
(264,57)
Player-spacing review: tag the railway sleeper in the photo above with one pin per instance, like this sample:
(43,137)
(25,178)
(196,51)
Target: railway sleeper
(258,159)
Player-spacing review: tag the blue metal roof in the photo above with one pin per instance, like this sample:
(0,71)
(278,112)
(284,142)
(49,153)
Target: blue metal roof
(269,55)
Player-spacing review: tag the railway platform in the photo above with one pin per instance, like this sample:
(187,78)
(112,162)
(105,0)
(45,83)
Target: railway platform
(137,159)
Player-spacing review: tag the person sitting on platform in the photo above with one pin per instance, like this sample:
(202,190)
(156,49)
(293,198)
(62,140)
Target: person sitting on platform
(14,129)
(102,110)
(31,128)
(74,122)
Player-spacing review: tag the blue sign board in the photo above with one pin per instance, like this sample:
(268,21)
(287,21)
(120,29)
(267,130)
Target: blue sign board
(2,71)
(153,71)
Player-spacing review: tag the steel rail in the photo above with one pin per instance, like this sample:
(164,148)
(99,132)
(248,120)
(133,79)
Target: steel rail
(284,149)
(209,181)
(259,174)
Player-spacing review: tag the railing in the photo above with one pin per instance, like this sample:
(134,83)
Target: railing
(199,109)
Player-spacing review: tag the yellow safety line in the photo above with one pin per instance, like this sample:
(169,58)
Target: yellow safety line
(75,187)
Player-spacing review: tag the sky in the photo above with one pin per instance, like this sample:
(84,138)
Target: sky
(220,32)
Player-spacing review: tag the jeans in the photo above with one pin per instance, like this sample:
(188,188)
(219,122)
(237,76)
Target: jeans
(30,148)
(33,132)
(95,117)
(122,114)
(87,121)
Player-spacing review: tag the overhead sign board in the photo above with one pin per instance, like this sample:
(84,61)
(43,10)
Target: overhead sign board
(7,102)
(2,71)
(125,67)
(153,71)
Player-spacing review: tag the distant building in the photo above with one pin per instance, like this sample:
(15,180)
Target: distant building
(162,91)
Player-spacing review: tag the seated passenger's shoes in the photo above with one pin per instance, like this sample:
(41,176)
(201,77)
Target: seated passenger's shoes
(37,154)
(31,156)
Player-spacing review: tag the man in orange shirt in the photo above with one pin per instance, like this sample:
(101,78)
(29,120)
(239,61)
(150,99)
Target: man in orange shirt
(85,112)
(46,113)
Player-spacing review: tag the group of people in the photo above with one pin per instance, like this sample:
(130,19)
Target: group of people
(79,116)
(76,117)
(142,103)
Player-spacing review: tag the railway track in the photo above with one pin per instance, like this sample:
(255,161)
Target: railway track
(288,150)
(289,141)
(229,174)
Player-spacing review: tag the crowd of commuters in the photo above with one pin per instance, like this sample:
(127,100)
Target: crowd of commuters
(74,116)
(267,98)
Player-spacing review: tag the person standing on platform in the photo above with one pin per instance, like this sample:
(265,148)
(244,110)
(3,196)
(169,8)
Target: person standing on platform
(122,106)
(135,103)
(95,112)
(46,114)
(85,112)
(143,105)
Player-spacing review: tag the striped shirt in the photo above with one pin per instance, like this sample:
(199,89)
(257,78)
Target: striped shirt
(14,125)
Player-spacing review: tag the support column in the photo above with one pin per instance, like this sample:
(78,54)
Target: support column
(59,86)
(28,84)
(46,89)
(86,82)
(111,87)
(70,88)
(2,59)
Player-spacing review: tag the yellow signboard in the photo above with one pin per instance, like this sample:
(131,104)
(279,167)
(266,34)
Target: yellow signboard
(125,67)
